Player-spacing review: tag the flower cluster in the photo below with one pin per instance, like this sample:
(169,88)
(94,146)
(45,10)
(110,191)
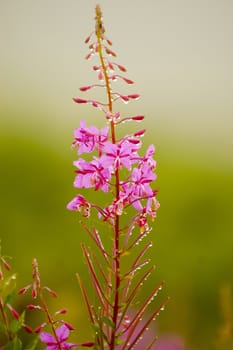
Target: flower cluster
(112,155)
(134,190)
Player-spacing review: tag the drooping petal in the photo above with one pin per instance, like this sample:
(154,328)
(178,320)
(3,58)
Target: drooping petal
(62,333)
(47,338)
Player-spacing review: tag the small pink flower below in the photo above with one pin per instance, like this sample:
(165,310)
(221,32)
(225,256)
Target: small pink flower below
(62,333)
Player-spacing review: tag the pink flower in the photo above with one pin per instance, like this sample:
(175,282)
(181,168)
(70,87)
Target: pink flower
(79,203)
(62,333)
(120,154)
(148,158)
(92,174)
(88,139)
(139,187)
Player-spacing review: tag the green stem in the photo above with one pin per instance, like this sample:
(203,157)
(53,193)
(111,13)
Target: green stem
(5,319)
(43,303)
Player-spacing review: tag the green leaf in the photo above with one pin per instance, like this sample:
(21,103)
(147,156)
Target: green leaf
(33,344)
(3,329)
(16,325)
(9,279)
(96,329)
(15,344)
(108,322)
(10,297)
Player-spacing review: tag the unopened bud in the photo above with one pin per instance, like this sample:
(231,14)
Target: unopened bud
(108,41)
(38,329)
(85,88)
(100,75)
(51,292)
(128,81)
(122,68)
(134,141)
(33,307)
(110,52)
(34,290)
(79,100)
(89,55)
(69,326)
(88,344)
(134,96)
(5,264)
(117,115)
(24,289)
(140,132)
(138,117)
(14,313)
(87,39)
(62,311)
(27,328)
(110,66)
(124,98)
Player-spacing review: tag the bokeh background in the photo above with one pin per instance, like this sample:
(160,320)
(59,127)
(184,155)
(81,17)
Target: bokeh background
(180,54)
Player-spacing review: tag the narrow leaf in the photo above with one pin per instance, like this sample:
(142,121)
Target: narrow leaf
(85,297)
(146,325)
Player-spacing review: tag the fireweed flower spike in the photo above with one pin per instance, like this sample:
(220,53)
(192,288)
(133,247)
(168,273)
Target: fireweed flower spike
(114,166)
(60,329)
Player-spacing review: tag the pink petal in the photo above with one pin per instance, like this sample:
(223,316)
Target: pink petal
(47,338)
(62,332)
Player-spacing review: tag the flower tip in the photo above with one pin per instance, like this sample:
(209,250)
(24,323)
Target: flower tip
(27,328)
(87,39)
(38,329)
(134,96)
(24,289)
(79,100)
(128,81)
(6,264)
(88,344)
(69,326)
(51,292)
(122,68)
(140,133)
(14,313)
(138,117)
(84,88)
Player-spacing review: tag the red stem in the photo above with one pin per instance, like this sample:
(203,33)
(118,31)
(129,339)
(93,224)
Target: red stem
(116,243)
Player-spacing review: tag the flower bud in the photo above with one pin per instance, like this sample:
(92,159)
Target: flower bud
(140,133)
(33,307)
(14,313)
(138,117)
(5,264)
(88,344)
(27,328)
(110,52)
(85,88)
(69,326)
(134,96)
(59,312)
(79,100)
(38,329)
(24,289)
(51,292)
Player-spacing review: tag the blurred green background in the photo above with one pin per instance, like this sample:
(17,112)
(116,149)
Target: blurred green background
(180,54)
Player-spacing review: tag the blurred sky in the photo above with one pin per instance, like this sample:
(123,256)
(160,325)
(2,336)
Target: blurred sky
(180,54)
